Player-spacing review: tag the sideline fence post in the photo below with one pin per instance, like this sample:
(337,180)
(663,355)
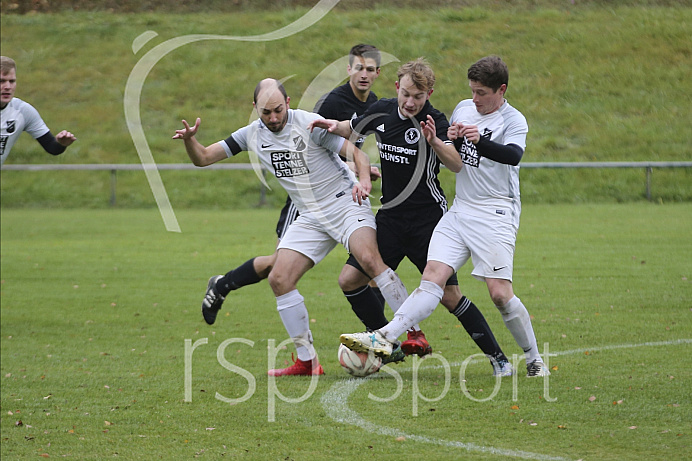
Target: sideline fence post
(114,182)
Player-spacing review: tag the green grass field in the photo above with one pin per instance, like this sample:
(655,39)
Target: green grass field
(99,306)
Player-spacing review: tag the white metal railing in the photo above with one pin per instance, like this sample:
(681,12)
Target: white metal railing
(114,167)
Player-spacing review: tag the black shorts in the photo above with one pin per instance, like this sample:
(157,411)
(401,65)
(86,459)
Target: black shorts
(289,213)
(405,235)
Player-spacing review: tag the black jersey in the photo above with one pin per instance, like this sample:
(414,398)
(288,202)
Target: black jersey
(341,104)
(398,141)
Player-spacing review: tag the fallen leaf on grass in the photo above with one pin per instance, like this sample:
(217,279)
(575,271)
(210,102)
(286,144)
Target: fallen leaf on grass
(401,438)
(211,428)
(554,368)
(514,407)
(632,427)
(592,398)
(108,423)
(562,427)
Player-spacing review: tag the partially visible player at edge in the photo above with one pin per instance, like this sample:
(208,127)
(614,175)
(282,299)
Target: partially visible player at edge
(17,116)
(407,219)
(334,207)
(482,224)
(342,103)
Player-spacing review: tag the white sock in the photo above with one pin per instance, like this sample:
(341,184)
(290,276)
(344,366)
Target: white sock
(518,322)
(396,293)
(418,307)
(392,288)
(294,315)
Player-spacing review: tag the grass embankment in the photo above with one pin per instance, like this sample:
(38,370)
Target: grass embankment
(596,83)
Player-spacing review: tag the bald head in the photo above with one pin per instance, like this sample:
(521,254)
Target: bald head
(269,84)
(271,103)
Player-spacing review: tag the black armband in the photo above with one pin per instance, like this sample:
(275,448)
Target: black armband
(50,144)
(509,154)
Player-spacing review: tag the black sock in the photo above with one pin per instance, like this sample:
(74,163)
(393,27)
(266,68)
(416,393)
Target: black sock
(367,307)
(379,295)
(477,327)
(239,277)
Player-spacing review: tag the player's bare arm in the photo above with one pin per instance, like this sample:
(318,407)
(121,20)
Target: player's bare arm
(200,155)
(374,171)
(342,128)
(445,151)
(361,162)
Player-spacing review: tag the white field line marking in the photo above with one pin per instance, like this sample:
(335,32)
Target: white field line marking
(335,404)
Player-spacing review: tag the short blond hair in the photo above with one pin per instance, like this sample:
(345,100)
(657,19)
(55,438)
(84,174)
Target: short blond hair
(7,64)
(420,72)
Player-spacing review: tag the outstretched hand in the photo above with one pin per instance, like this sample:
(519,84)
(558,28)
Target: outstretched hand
(187,132)
(65,138)
(429,130)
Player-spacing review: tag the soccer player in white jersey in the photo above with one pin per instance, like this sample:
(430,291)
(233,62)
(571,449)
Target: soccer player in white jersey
(482,224)
(344,102)
(17,116)
(333,207)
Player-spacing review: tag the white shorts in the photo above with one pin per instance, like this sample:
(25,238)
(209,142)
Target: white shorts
(316,232)
(489,241)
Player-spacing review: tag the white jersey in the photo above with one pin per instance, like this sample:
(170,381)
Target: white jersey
(306,164)
(484,185)
(18,116)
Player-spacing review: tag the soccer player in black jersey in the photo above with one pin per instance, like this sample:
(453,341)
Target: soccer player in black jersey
(412,142)
(343,103)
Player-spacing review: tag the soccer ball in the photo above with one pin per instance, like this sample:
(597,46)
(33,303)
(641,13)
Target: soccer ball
(358,363)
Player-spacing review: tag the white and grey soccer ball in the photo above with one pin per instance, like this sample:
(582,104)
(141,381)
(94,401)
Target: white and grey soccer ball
(358,364)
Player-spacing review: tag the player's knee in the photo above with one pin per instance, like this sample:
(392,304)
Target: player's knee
(263,265)
(451,297)
(278,282)
(500,300)
(351,278)
(372,263)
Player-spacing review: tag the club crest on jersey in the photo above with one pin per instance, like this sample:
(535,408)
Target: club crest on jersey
(11,125)
(412,135)
(299,143)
